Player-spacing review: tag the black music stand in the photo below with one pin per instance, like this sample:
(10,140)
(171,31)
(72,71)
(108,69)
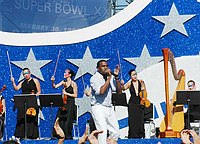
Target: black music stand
(51,100)
(23,102)
(188,97)
(148,112)
(119,100)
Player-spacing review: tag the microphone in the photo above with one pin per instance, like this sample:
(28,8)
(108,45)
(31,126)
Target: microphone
(113,74)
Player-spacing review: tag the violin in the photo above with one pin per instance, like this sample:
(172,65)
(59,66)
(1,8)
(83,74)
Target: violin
(144,101)
(1,104)
(31,111)
(64,107)
(143,96)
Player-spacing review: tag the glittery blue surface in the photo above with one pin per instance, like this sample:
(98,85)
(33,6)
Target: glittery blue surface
(129,39)
(125,141)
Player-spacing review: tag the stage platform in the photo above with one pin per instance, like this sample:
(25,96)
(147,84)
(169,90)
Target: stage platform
(121,141)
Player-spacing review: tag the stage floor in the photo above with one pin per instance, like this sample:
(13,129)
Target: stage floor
(121,141)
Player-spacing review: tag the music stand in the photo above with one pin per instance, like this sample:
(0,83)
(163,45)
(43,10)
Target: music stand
(51,100)
(188,97)
(119,99)
(29,101)
(148,113)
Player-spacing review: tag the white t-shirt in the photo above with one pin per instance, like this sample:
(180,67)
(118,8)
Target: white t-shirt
(96,82)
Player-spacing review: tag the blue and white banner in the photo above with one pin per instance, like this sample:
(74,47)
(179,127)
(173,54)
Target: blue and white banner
(27,16)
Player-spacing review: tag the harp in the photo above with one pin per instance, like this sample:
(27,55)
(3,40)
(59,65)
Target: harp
(173,121)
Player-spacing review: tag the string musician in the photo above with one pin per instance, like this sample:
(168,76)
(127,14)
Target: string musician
(135,108)
(194,108)
(66,113)
(2,112)
(29,86)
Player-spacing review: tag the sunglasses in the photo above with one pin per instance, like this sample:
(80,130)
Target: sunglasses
(24,73)
(135,74)
(190,85)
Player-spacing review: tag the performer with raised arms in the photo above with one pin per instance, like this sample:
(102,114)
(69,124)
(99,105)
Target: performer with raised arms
(66,113)
(135,109)
(103,83)
(29,86)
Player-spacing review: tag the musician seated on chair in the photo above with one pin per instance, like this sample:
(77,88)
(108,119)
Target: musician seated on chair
(194,109)
(29,86)
(2,115)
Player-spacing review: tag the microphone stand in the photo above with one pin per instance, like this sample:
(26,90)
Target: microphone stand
(188,117)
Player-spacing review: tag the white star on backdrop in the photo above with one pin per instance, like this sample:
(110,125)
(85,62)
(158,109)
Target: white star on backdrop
(144,61)
(83,104)
(173,21)
(86,65)
(33,65)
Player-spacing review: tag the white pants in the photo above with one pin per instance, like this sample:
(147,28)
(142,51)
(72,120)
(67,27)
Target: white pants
(105,119)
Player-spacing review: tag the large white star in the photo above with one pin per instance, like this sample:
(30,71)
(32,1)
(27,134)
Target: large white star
(173,21)
(84,105)
(33,64)
(86,65)
(145,60)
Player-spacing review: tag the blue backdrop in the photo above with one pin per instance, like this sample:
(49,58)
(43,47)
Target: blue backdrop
(180,34)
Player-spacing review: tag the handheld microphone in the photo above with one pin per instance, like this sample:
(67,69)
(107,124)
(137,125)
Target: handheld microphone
(113,74)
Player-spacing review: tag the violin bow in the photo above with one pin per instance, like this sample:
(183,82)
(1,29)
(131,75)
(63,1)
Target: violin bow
(56,63)
(9,64)
(82,78)
(118,56)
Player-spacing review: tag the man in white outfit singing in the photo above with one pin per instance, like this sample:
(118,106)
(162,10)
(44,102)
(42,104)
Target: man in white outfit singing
(103,83)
